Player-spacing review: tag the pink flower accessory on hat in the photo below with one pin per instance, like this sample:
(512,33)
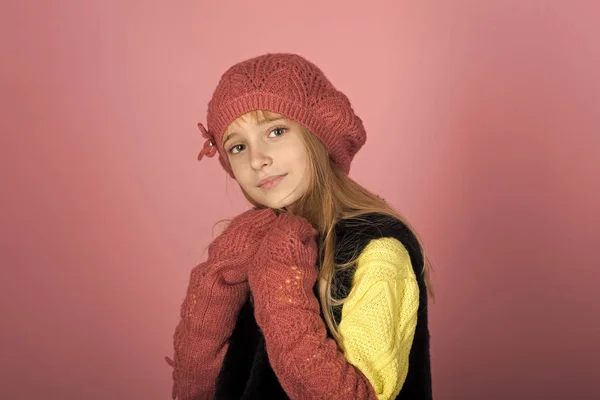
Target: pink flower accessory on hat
(209,149)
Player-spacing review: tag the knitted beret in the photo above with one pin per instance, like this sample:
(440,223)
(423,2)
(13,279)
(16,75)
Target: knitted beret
(289,85)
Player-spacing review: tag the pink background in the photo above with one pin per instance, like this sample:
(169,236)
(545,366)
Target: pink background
(484,130)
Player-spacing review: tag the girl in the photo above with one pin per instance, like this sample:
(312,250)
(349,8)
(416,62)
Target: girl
(319,291)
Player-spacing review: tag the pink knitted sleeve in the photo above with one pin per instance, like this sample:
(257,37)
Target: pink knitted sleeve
(208,316)
(217,291)
(307,363)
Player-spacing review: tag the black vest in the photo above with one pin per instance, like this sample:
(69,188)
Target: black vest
(246,373)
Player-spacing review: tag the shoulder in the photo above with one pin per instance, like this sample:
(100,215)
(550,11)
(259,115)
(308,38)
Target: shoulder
(372,232)
(390,257)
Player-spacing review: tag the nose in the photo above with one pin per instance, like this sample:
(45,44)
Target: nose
(259,158)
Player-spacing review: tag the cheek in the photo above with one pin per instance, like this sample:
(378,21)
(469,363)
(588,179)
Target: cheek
(301,164)
(295,155)
(241,175)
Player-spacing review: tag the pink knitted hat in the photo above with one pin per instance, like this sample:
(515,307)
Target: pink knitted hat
(289,85)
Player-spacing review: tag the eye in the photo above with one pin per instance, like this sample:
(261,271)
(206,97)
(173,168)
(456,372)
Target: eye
(277,132)
(236,149)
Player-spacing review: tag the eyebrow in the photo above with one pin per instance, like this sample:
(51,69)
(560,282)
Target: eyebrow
(231,135)
(260,123)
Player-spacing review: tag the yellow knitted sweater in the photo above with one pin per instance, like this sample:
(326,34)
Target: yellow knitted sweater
(379,317)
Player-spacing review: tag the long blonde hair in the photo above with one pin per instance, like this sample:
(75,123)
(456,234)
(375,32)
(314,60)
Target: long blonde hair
(333,196)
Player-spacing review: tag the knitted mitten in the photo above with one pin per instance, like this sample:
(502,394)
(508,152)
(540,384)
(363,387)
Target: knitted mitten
(281,277)
(217,290)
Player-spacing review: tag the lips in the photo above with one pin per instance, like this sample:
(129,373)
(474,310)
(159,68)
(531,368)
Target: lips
(270,181)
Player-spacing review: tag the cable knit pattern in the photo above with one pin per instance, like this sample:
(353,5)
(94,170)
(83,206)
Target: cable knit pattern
(282,276)
(292,86)
(379,317)
(217,290)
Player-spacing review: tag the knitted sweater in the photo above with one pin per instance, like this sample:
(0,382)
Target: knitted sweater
(387,274)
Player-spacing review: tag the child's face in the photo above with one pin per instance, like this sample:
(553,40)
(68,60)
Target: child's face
(268,158)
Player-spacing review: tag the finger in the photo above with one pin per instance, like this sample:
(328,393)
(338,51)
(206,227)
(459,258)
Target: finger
(234,276)
(307,232)
(263,217)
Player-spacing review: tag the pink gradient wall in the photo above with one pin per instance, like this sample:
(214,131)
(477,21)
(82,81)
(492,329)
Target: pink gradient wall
(484,130)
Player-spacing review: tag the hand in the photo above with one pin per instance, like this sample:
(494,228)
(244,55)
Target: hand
(291,240)
(238,243)
(283,272)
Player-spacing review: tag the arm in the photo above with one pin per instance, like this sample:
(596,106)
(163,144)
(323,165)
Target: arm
(306,362)
(208,316)
(217,290)
(379,317)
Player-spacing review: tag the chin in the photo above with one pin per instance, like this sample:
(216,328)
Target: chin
(276,200)
(274,204)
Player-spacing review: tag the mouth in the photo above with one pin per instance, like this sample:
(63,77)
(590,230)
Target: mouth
(271,181)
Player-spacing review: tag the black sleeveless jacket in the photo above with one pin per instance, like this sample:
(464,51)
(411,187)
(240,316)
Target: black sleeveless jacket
(246,373)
